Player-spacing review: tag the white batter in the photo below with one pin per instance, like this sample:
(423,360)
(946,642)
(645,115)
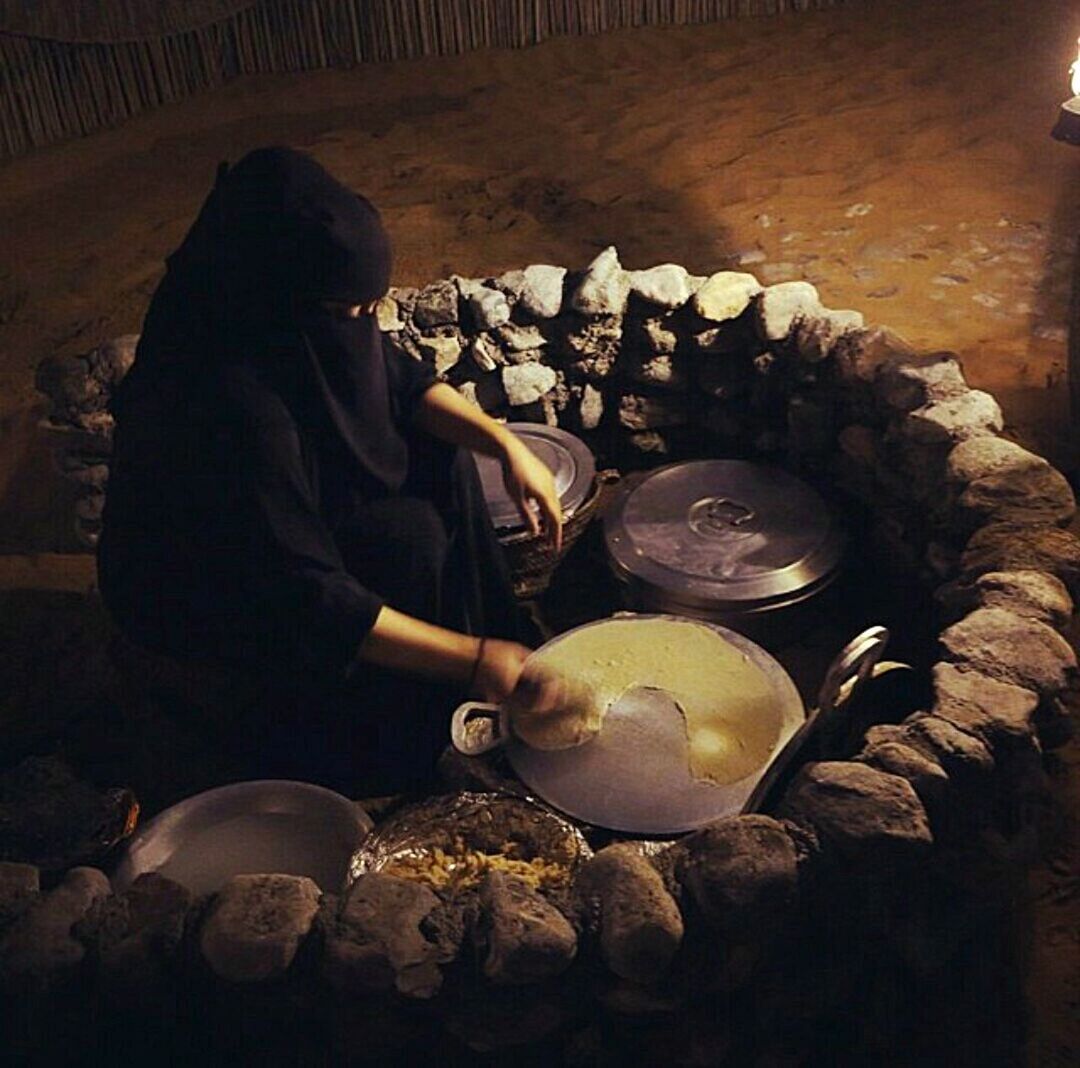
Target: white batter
(731,712)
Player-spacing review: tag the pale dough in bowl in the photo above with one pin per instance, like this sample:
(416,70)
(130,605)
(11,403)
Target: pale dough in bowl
(731,711)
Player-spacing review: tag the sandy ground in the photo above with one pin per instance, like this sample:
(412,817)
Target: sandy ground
(895,154)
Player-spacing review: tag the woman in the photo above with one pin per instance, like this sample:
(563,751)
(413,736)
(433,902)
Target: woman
(293,497)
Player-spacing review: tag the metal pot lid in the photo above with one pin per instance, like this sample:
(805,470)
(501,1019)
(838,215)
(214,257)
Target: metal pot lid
(568,458)
(723,534)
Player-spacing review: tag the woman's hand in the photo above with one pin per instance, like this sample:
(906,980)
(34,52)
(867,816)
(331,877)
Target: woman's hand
(529,482)
(498,669)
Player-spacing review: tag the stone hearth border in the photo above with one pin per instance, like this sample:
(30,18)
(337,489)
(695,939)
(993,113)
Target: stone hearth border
(893,855)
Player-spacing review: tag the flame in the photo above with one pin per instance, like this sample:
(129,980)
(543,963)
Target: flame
(1074,70)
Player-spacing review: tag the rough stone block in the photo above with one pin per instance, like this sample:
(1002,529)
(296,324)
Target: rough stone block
(667,286)
(638,412)
(38,950)
(860,354)
(817,337)
(927,777)
(444,352)
(1016,547)
(490,307)
(541,296)
(1005,646)
(1032,594)
(111,361)
(1000,713)
(954,419)
(527,383)
(782,306)
(1039,495)
(591,407)
(256,925)
(725,295)
(660,338)
(485,353)
(436,305)
(515,338)
(902,385)
(640,923)
(862,814)
(985,456)
(595,346)
(604,288)
(388,315)
(375,942)
(135,934)
(966,759)
(526,938)
(742,874)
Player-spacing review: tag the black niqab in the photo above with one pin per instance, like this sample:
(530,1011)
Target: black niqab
(277,236)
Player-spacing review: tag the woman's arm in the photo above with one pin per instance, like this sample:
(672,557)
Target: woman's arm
(445,414)
(489,666)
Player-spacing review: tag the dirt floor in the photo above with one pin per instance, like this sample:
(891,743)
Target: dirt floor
(896,154)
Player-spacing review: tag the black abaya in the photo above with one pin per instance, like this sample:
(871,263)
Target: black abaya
(268,494)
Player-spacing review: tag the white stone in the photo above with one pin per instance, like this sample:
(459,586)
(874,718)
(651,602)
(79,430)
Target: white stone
(257,924)
(443,351)
(542,294)
(725,295)
(526,383)
(592,407)
(485,353)
(388,315)
(667,285)
(660,340)
(605,287)
(955,419)
(489,307)
(783,305)
(521,338)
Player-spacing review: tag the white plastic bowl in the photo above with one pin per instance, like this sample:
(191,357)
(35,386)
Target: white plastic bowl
(264,826)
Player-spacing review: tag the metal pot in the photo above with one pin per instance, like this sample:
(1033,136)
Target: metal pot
(532,560)
(634,776)
(568,458)
(728,541)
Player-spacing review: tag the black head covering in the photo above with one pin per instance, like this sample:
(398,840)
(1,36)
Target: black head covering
(276,236)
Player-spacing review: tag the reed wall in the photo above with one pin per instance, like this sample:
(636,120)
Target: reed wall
(68,68)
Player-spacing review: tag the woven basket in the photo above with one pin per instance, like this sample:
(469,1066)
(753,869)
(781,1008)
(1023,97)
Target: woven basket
(533,561)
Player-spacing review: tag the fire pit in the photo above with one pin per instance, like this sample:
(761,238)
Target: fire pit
(855,917)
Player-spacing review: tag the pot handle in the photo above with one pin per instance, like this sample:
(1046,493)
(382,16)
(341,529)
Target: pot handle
(477,727)
(853,664)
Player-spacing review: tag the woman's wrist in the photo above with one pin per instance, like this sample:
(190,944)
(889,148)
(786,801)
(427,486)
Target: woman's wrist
(402,643)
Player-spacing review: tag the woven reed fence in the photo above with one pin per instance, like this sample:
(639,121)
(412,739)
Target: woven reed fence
(53,89)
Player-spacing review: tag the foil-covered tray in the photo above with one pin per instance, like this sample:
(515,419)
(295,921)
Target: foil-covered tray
(450,841)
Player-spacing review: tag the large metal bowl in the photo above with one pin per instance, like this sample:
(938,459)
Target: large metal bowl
(264,826)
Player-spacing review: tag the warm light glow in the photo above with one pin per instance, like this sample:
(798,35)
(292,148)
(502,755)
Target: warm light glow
(1074,70)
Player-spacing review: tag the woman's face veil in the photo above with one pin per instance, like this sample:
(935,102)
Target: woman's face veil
(277,236)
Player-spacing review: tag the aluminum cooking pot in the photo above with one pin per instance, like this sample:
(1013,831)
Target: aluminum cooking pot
(737,543)
(634,775)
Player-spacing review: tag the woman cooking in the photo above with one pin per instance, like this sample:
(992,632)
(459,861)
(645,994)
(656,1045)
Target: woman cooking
(294,498)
